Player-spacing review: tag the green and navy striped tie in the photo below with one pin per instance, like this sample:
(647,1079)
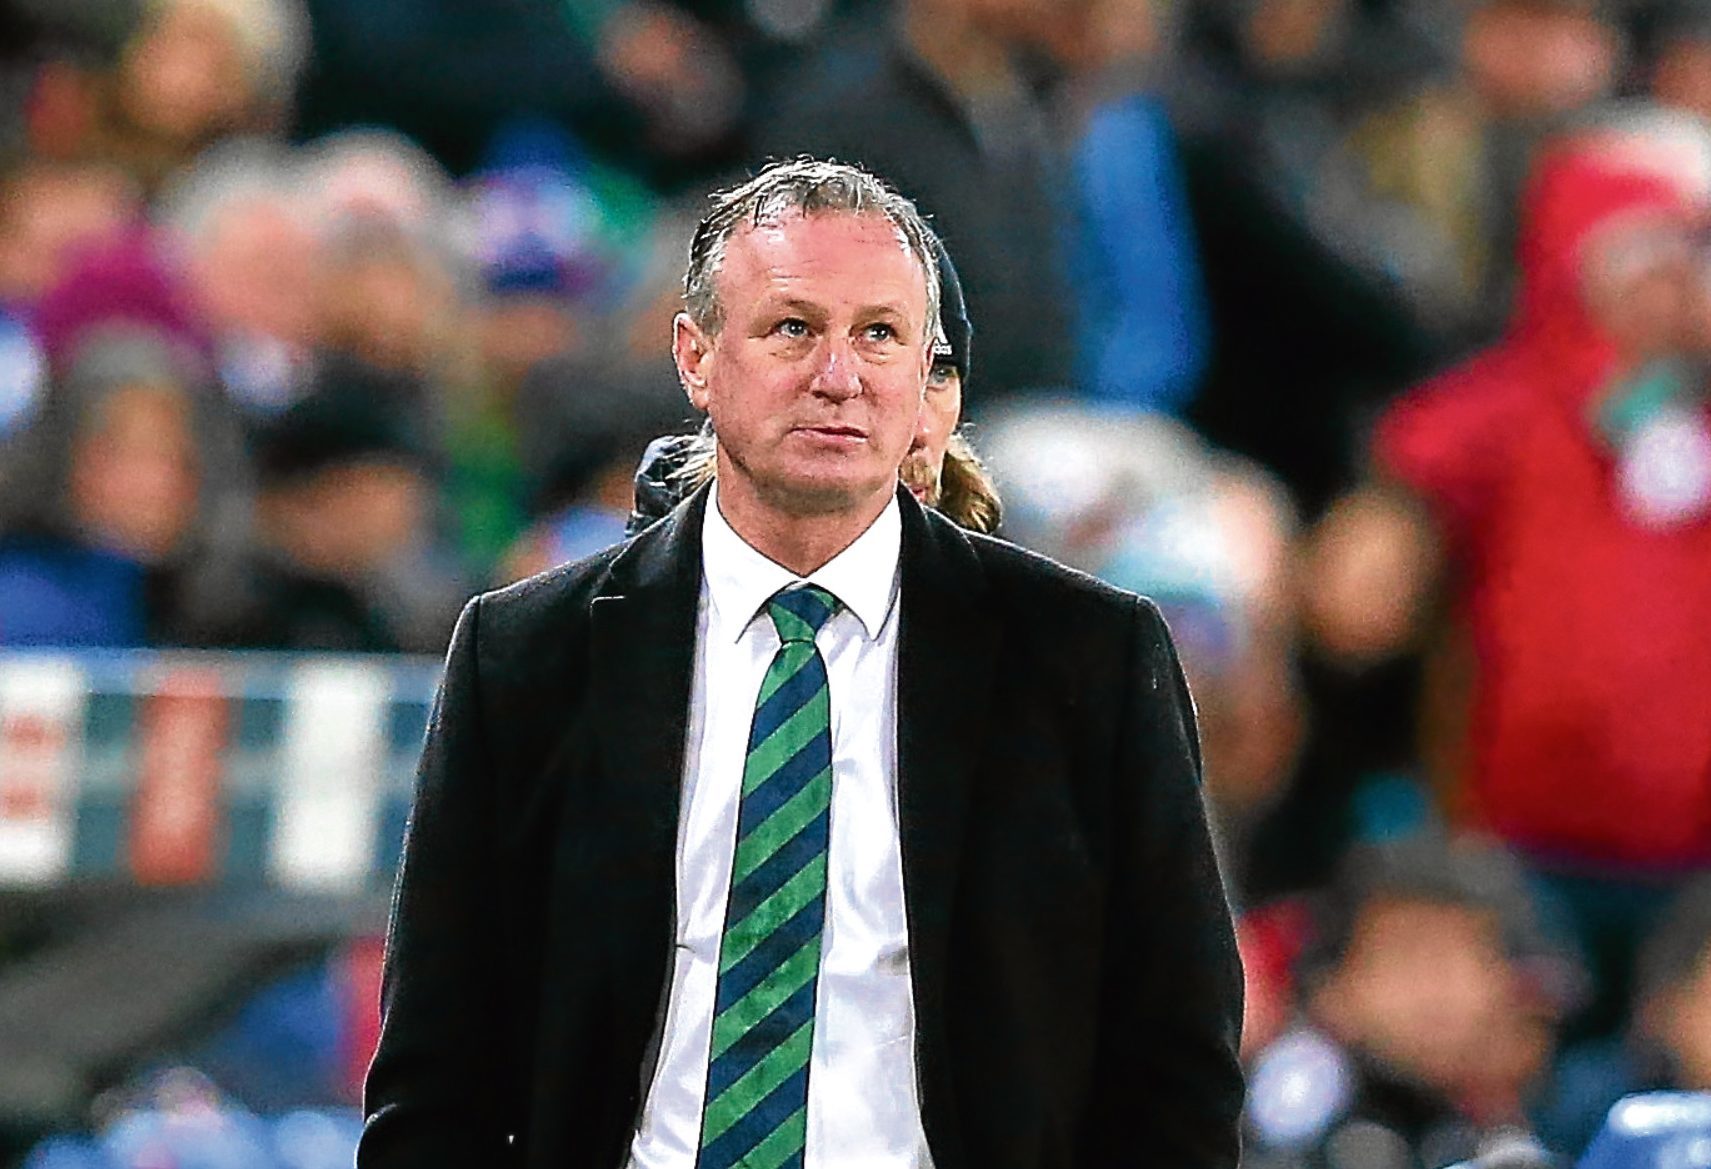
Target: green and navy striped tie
(756,1114)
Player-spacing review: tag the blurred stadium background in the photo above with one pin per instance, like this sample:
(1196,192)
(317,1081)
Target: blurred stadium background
(318,316)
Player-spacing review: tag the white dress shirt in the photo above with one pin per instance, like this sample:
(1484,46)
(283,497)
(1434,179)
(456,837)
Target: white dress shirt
(863,1101)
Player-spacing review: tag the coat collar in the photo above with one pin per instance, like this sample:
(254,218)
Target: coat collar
(642,653)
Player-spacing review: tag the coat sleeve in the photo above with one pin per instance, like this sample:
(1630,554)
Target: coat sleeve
(433,1095)
(1170,1087)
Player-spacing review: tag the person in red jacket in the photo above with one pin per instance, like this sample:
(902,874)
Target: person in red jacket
(1555,492)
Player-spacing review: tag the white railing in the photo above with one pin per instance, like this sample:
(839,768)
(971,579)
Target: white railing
(183,768)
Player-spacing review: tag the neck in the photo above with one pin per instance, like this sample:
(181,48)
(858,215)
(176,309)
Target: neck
(801,543)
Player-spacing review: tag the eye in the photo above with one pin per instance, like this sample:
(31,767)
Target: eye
(880,331)
(792,327)
(941,374)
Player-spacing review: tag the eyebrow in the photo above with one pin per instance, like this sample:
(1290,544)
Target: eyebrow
(794,304)
(797,304)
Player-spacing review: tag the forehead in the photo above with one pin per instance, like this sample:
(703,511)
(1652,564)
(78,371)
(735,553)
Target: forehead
(1388,916)
(830,257)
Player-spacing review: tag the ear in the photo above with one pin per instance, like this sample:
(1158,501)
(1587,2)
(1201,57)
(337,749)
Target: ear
(692,350)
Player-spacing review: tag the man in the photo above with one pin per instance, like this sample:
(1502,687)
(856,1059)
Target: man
(1666,1046)
(941,468)
(1553,494)
(940,99)
(1426,1023)
(344,484)
(946,897)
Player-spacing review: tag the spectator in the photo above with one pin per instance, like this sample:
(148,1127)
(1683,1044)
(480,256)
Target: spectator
(1278,82)
(1142,502)
(590,422)
(344,492)
(1413,994)
(1667,1046)
(125,278)
(560,244)
(195,71)
(1529,486)
(112,502)
(56,59)
(1304,341)
(1677,56)
(1673,1011)
(650,85)
(1141,313)
(389,299)
(1434,177)
(238,225)
(938,104)
(49,211)
(547,245)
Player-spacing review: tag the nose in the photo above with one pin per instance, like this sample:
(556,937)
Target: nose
(837,375)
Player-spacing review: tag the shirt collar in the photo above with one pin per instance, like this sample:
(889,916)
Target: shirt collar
(740,579)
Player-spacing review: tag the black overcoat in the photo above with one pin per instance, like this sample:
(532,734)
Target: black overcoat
(1077,990)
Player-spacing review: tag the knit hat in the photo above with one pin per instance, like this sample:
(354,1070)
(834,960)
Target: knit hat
(337,423)
(956,331)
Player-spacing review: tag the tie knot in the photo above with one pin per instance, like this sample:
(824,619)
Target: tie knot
(798,613)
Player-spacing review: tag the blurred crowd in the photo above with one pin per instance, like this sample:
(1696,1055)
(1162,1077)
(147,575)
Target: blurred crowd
(1372,338)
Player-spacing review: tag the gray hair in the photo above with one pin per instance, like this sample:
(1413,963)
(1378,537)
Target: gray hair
(805,186)
(234,173)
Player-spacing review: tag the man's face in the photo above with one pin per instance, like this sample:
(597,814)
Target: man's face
(1531,61)
(1423,987)
(1683,1027)
(1682,78)
(183,77)
(347,521)
(135,473)
(814,382)
(257,271)
(924,468)
(1288,33)
(1638,279)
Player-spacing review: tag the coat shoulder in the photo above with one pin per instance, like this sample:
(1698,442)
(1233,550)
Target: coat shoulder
(1024,579)
(549,603)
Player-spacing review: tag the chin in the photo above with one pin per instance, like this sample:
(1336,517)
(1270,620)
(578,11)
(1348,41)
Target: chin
(817,495)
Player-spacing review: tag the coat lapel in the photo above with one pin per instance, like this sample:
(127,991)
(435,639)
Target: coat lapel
(643,646)
(948,649)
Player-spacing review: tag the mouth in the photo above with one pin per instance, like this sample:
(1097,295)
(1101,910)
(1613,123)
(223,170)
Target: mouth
(837,434)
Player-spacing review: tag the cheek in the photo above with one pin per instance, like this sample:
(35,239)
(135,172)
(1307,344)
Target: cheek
(901,415)
(751,397)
